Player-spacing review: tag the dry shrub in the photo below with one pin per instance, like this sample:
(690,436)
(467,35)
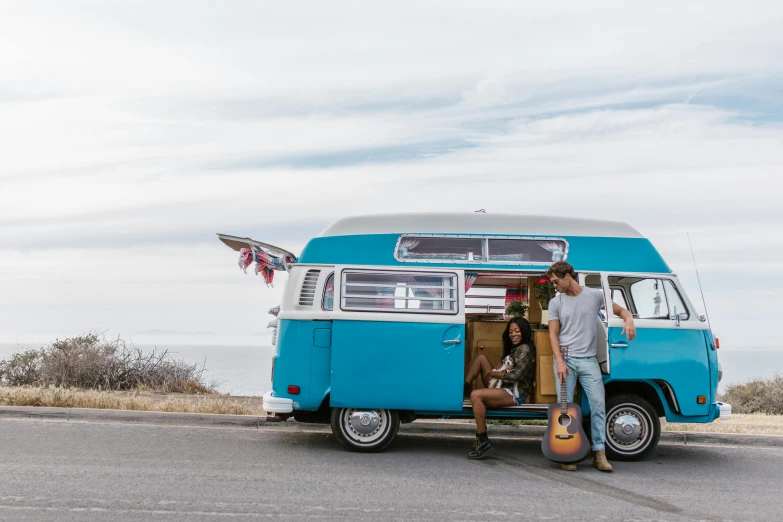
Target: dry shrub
(758,396)
(22,369)
(92,362)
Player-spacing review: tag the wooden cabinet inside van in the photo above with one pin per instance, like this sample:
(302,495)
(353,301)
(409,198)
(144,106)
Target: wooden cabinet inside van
(484,337)
(545,390)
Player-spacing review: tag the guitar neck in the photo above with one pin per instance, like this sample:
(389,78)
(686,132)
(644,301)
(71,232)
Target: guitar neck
(563,386)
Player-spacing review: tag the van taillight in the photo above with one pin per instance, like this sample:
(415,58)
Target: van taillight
(717,343)
(293,389)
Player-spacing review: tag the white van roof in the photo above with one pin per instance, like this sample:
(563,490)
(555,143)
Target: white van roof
(477,223)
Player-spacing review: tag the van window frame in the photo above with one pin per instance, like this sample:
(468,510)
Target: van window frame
(672,314)
(414,311)
(484,249)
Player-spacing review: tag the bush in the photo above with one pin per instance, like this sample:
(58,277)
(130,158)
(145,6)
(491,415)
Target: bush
(756,396)
(91,362)
(22,369)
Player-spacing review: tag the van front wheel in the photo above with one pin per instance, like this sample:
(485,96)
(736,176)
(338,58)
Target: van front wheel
(365,430)
(632,427)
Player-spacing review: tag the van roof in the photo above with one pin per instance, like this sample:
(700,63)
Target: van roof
(477,223)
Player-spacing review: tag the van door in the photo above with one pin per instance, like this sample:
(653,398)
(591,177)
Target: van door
(667,347)
(398,338)
(593,280)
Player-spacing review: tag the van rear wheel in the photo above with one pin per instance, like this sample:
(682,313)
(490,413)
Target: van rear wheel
(364,430)
(632,427)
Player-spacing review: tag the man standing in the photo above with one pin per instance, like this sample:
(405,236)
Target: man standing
(573,315)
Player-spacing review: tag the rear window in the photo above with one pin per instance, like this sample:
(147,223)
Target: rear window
(365,290)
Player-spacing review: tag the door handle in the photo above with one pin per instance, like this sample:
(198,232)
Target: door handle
(621,344)
(452,341)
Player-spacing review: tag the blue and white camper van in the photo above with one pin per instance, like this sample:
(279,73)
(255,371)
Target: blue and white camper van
(381,313)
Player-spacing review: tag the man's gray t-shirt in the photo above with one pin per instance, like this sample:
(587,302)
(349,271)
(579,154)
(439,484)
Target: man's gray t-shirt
(578,318)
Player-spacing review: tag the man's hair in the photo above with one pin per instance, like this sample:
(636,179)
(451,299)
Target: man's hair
(560,269)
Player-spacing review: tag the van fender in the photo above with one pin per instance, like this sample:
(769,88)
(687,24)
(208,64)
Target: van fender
(660,395)
(649,390)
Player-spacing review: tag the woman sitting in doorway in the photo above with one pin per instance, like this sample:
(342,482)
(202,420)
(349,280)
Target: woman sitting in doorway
(517,342)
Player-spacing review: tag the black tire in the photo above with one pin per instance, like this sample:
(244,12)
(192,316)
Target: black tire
(365,430)
(632,427)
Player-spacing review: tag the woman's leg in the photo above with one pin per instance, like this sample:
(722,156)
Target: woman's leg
(478,366)
(488,398)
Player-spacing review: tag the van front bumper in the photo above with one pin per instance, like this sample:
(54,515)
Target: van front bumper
(274,404)
(725,410)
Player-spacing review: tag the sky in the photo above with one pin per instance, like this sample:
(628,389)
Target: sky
(132,132)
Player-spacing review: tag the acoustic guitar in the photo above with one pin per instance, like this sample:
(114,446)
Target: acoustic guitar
(565,441)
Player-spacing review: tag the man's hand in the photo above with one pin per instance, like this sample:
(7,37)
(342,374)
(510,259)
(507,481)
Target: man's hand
(629,329)
(562,371)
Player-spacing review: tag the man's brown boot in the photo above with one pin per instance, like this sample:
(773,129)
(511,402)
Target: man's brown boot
(568,467)
(600,462)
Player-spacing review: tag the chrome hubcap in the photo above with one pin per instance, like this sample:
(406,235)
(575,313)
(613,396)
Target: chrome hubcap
(365,426)
(628,428)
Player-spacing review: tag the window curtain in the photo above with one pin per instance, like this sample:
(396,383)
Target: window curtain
(515,293)
(470,278)
(555,248)
(407,244)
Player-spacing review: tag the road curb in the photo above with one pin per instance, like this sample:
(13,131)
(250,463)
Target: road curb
(422,427)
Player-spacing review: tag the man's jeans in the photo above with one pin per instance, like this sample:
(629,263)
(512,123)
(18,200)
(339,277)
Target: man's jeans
(588,372)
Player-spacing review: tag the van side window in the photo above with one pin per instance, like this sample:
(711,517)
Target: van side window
(327,302)
(673,296)
(365,290)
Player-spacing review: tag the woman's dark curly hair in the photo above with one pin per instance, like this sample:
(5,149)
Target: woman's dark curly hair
(527,334)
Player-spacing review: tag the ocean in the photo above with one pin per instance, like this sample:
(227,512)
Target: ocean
(246,370)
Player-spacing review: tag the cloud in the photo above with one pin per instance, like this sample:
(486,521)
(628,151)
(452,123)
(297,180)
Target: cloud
(132,133)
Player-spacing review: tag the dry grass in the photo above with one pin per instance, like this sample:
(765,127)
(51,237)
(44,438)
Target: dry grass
(748,424)
(133,400)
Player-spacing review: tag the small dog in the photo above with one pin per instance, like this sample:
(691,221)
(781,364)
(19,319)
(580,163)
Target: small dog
(508,363)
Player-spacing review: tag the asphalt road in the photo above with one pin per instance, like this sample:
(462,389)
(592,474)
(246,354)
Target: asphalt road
(57,470)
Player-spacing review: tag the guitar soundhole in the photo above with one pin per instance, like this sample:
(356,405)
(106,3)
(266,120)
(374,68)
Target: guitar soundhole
(564,420)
